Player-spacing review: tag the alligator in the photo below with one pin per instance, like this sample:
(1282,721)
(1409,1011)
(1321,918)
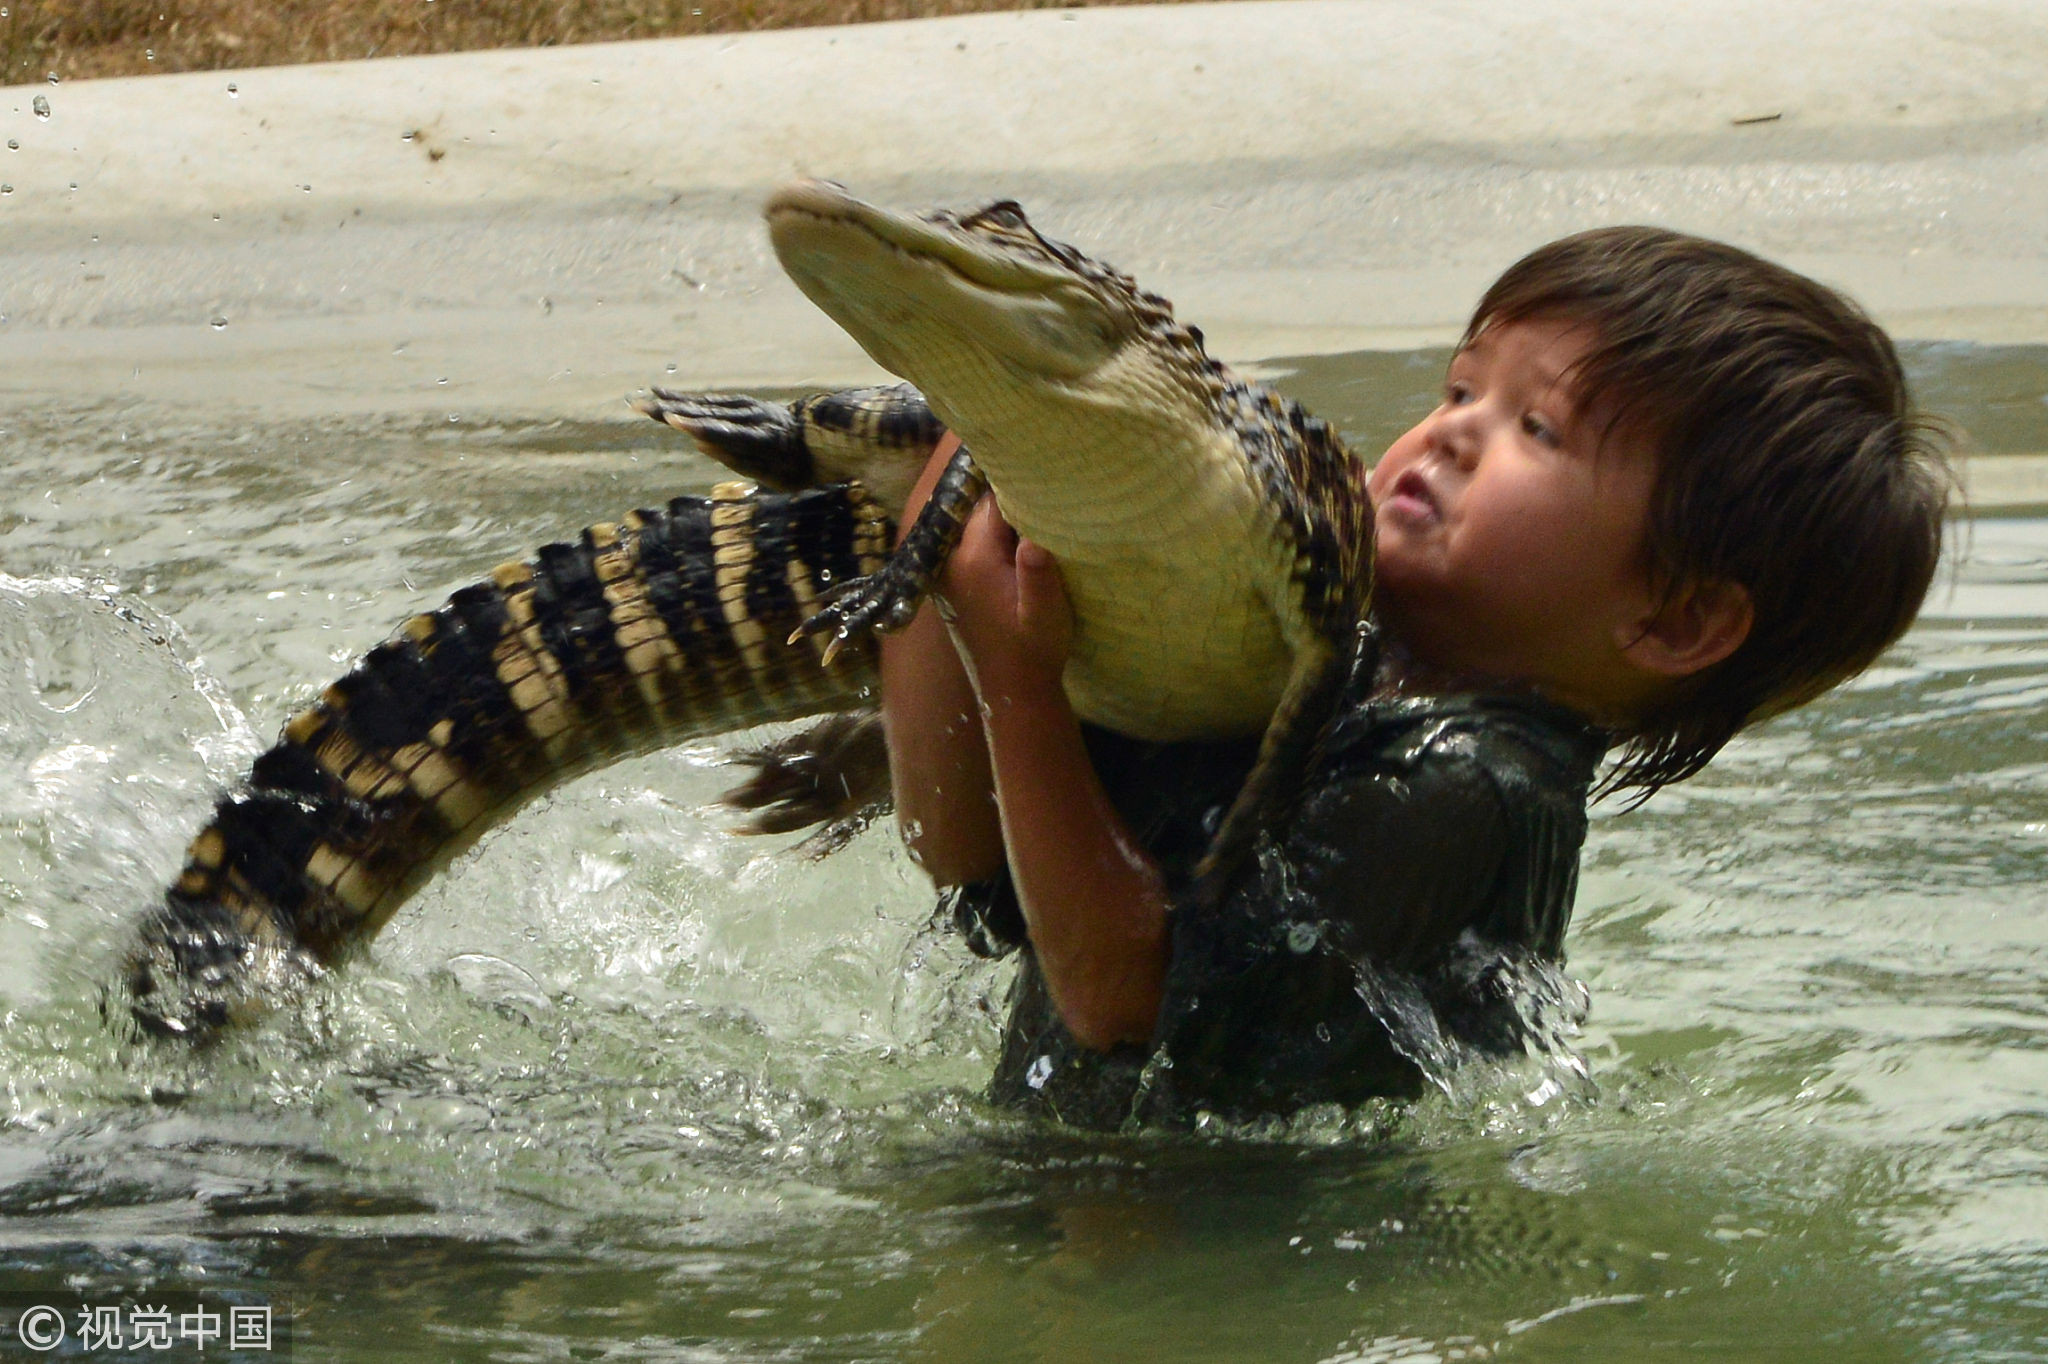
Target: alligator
(1152,472)
(1108,435)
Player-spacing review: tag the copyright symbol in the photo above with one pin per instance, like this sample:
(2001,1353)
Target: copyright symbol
(41,1328)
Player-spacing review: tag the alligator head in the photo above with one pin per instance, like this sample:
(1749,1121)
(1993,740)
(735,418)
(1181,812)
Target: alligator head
(945,294)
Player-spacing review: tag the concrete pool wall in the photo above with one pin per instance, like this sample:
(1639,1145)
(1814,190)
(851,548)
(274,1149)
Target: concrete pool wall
(537,232)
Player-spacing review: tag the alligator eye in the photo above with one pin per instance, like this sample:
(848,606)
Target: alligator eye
(1004,213)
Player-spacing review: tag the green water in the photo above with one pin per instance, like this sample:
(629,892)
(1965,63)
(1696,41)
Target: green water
(625,1086)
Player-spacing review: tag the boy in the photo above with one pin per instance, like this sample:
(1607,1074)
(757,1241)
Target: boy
(1671,489)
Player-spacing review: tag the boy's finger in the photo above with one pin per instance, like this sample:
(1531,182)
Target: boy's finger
(1041,592)
(1035,558)
(999,531)
(978,572)
(986,538)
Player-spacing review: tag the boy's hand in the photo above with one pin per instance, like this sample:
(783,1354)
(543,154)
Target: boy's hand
(1002,599)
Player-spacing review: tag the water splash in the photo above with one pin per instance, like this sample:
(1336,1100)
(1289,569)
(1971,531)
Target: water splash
(1491,1026)
(116,734)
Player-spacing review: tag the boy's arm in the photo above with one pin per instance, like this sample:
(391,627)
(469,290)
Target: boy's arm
(938,759)
(1094,903)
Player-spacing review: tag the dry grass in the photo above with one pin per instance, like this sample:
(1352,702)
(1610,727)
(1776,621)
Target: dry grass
(130,37)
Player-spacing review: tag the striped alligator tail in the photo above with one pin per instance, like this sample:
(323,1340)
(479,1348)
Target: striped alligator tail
(671,626)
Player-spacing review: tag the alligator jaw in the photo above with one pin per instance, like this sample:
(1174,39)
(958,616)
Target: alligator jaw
(933,239)
(907,287)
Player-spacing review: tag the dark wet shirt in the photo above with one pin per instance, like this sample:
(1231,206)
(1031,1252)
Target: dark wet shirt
(1439,834)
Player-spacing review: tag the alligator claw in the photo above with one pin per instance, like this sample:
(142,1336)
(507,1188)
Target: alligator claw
(832,778)
(759,440)
(882,602)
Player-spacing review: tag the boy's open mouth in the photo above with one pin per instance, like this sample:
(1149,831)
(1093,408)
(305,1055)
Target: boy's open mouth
(1412,498)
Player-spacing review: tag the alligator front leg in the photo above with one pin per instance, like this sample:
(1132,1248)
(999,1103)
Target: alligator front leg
(880,437)
(887,600)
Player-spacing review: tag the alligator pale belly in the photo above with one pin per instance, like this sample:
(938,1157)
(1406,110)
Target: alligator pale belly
(672,625)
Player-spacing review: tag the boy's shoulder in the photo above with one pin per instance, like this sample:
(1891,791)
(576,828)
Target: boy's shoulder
(1512,738)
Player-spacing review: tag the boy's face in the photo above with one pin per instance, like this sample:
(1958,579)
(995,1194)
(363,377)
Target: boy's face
(1510,540)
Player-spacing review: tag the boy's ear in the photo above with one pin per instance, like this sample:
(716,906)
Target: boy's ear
(1690,630)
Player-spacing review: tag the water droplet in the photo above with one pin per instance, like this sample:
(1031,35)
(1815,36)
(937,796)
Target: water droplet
(233,92)
(41,104)
(149,54)
(12,145)
(6,189)
(306,188)
(408,135)
(442,382)
(220,324)
(671,369)
(53,78)
(454,417)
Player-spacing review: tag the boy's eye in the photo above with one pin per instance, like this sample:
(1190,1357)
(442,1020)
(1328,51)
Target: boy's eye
(1540,429)
(1457,391)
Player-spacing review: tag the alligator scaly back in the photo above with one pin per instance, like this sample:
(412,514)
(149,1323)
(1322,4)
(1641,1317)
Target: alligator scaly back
(672,625)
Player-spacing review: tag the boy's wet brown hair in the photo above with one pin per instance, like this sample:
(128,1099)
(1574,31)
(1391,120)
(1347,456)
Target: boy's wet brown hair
(1790,461)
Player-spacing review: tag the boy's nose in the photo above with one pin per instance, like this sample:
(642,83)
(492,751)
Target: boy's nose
(1458,438)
